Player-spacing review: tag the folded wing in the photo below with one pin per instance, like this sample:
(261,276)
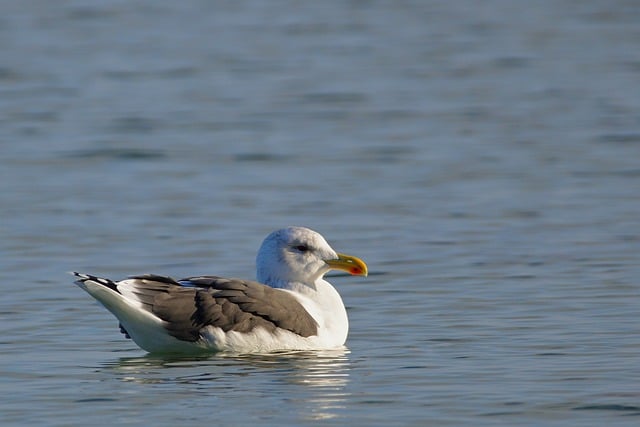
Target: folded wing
(188,305)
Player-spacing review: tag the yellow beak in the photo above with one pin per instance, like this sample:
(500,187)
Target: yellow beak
(352,265)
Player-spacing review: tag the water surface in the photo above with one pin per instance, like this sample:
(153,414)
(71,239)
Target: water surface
(484,159)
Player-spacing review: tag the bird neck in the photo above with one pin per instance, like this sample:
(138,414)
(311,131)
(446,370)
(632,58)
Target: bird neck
(324,303)
(320,291)
(298,287)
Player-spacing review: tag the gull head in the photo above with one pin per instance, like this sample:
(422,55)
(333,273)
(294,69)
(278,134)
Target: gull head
(301,255)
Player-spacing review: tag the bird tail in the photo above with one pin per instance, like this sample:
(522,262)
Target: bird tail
(87,280)
(146,329)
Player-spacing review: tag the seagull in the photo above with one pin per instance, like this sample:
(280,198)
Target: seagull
(290,306)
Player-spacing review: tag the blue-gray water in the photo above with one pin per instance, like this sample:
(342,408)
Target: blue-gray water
(482,157)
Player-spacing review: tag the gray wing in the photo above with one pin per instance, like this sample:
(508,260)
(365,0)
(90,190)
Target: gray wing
(190,304)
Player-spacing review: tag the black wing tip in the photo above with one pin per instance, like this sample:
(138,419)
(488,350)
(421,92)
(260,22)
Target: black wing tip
(155,278)
(82,278)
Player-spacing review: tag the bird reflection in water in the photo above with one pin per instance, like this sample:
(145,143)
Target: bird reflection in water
(313,383)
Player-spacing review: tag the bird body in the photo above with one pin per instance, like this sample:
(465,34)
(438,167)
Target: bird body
(290,307)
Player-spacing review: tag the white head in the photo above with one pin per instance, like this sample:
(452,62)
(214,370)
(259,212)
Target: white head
(298,254)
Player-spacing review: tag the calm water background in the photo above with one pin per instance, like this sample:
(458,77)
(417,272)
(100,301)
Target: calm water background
(482,157)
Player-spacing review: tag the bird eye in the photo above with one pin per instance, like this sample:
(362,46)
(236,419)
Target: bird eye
(302,248)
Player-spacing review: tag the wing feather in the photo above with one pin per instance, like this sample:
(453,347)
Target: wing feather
(188,305)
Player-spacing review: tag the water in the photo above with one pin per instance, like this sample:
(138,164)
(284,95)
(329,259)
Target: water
(482,157)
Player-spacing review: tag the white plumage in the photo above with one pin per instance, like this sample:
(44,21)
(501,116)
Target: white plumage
(290,307)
